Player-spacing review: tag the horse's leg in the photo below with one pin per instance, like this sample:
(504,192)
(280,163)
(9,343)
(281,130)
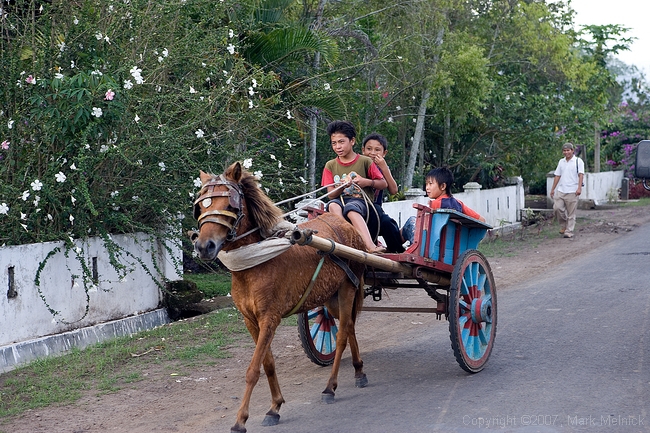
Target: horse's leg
(273,415)
(262,335)
(360,377)
(346,304)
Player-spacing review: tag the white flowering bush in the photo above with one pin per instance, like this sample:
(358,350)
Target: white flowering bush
(110,112)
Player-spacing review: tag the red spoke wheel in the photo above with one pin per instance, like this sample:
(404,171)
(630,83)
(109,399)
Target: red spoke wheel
(472,311)
(317,329)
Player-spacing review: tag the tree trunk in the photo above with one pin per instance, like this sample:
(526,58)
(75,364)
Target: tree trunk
(446,146)
(596,148)
(417,138)
(313,135)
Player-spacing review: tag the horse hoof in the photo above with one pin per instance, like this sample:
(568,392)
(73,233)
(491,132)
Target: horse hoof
(361,382)
(271,419)
(327,398)
(238,430)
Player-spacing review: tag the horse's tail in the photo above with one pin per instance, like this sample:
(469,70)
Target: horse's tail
(358,300)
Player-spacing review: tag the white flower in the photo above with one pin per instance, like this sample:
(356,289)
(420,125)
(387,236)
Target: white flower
(98,36)
(398,108)
(136,73)
(25,195)
(61,46)
(73,167)
(289,116)
(60,177)
(165,52)
(231,33)
(280,182)
(250,104)
(37,185)
(72,199)
(258,174)
(128,84)
(390,119)
(254,81)
(289,143)
(279,164)
(115,194)
(199,133)
(72,65)
(50,217)
(302,179)
(58,76)
(198,183)
(103,148)
(160,59)
(415,120)
(10,124)
(97,112)
(136,118)
(4,208)
(272,157)
(231,48)
(192,90)
(108,41)
(75,21)
(251,91)
(162,166)
(135,198)
(23,216)
(327,86)
(71,219)
(37,199)
(25,227)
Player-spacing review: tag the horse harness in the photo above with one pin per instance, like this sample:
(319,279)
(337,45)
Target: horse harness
(337,260)
(235,196)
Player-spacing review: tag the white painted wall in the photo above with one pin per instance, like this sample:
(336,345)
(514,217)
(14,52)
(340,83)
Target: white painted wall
(499,206)
(27,317)
(598,189)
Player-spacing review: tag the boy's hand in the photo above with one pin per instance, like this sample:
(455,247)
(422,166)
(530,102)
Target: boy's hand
(380,162)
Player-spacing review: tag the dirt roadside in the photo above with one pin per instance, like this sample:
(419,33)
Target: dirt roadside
(206,398)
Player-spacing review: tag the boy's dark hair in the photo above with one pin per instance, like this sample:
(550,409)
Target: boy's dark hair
(442,175)
(375,136)
(342,127)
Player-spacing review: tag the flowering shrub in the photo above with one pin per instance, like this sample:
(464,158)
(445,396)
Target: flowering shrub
(110,108)
(109,114)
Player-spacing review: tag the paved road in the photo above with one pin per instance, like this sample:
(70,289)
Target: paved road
(572,353)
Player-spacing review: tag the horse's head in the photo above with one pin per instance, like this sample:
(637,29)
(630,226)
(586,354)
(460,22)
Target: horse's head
(219,210)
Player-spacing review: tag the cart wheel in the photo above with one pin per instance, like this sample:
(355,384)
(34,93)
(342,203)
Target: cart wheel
(317,329)
(472,311)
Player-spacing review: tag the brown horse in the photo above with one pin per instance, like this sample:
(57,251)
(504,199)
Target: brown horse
(233,212)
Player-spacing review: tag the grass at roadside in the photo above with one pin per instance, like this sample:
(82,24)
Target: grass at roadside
(211,284)
(110,366)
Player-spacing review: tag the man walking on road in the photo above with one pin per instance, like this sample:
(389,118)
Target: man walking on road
(569,175)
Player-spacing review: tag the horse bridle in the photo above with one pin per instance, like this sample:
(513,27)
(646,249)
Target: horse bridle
(235,196)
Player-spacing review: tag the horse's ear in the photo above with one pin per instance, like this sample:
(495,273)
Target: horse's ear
(204,176)
(234,171)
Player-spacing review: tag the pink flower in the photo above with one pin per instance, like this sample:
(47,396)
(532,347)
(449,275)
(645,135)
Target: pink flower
(30,80)
(109,95)
(5,145)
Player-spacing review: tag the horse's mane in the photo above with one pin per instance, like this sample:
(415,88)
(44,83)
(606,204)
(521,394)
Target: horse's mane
(262,211)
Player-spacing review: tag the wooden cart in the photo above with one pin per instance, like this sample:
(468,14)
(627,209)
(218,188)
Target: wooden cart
(443,260)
